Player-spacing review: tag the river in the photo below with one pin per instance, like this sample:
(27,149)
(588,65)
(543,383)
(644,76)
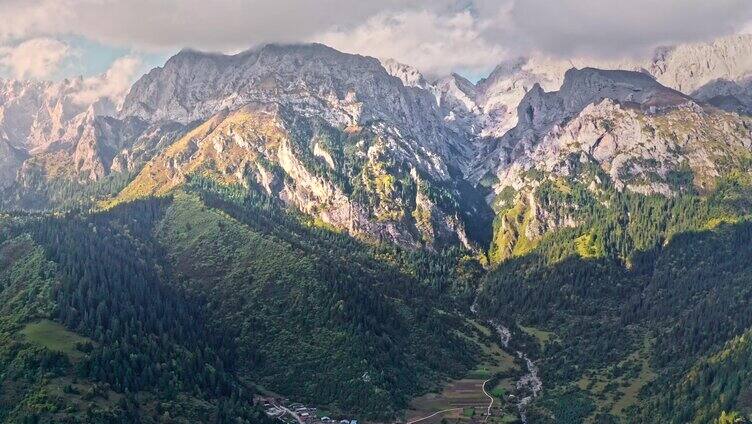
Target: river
(530,381)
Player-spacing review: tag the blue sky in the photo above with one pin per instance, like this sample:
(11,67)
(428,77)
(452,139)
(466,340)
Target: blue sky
(92,58)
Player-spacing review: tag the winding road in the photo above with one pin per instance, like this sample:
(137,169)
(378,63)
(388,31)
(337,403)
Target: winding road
(490,405)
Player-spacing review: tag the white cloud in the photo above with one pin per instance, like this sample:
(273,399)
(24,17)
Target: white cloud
(171,24)
(24,19)
(434,43)
(616,27)
(37,58)
(112,85)
(436,35)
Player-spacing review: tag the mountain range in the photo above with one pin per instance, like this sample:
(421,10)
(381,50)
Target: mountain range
(351,233)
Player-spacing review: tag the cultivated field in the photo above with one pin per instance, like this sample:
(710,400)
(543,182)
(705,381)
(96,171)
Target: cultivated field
(465,399)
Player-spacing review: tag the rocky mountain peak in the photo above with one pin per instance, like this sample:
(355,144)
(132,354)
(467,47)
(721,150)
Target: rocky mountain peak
(589,85)
(690,67)
(591,104)
(394,145)
(458,89)
(712,72)
(345,90)
(539,110)
(194,85)
(34,114)
(409,75)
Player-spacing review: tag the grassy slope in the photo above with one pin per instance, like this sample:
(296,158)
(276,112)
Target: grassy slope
(54,337)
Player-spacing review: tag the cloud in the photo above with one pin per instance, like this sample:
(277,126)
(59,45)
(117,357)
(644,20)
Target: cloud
(173,24)
(436,44)
(437,35)
(26,19)
(112,85)
(37,58)
(613,28)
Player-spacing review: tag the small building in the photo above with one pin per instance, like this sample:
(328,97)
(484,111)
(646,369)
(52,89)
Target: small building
(273,412)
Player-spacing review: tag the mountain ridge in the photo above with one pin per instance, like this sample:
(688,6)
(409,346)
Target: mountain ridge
(447,130)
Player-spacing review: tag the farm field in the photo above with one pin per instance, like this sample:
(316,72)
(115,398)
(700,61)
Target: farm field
(465,399)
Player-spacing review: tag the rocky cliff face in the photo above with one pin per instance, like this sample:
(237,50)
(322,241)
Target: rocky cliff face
(367,182)
(336,136)
(312,80)
(35,114)
(504,89)
(541,112)
(409,75)
(717,72)
(376,149)
(495,98)
(49,134)
(708,71)
(33,117)
(11,159)
(605,130)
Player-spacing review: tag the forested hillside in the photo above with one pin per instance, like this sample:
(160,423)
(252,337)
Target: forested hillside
(302,300)
(182,305)
(642,300)
(90,300)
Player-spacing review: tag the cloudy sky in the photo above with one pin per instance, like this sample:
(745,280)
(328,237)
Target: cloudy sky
(111,42)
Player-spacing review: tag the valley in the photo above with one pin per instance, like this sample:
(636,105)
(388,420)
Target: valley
(296,234)
(481,391)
